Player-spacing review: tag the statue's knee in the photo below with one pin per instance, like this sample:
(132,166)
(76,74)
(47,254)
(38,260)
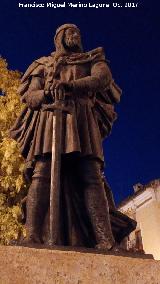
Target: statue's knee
(90,173)
(42,170)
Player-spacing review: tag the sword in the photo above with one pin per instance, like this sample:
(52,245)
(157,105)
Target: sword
(58,107)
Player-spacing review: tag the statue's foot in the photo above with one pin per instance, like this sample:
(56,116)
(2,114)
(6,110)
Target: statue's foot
(103,246)
(115,248)
(31,240)
(13,242)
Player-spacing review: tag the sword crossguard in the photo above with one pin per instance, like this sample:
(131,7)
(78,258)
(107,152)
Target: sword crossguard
(57,106)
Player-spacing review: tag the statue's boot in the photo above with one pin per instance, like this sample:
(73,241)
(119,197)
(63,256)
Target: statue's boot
(98,210)
(97,207)
(37,207)
(96,203)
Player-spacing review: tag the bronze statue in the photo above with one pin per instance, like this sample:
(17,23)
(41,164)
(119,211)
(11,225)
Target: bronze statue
(70,97)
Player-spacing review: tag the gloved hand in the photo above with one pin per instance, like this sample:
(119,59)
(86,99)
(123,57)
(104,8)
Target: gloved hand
(61,88)
(65,86)
(58,84)
(49,90)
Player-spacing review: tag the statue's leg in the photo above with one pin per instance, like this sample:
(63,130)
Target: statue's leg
(96,202)
(38,200)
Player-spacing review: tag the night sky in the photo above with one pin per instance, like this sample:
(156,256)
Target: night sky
(131,38)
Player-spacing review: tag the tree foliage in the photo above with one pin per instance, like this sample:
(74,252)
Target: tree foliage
(12,185)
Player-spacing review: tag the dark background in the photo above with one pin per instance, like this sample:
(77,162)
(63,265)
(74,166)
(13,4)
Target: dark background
(131,39)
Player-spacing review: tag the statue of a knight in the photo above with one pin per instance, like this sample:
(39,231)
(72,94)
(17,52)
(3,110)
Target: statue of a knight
(89,90)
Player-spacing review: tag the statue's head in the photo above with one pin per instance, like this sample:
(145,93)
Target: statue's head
(68,38)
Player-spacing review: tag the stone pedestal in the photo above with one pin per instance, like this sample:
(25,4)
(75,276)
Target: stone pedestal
(20,265)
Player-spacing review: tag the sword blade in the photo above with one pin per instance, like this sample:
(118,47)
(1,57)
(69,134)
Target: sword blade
(55,176)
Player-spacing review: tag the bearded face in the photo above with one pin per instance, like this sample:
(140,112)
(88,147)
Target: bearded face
(72,39)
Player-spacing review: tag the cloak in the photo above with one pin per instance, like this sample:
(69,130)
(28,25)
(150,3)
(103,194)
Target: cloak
(93,111)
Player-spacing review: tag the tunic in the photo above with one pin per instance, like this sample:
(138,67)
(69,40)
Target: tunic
(92,107)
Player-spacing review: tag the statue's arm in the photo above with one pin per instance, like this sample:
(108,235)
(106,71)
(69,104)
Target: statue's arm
(99,79)
(35,95)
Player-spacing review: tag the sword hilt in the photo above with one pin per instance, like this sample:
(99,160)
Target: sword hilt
(59,103)
(56,106)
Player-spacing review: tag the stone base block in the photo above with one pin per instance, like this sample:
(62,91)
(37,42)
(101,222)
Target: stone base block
(20,265)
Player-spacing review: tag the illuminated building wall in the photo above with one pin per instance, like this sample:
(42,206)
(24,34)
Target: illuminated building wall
(144,207)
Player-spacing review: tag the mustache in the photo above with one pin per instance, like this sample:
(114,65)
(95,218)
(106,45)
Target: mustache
(72,41)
